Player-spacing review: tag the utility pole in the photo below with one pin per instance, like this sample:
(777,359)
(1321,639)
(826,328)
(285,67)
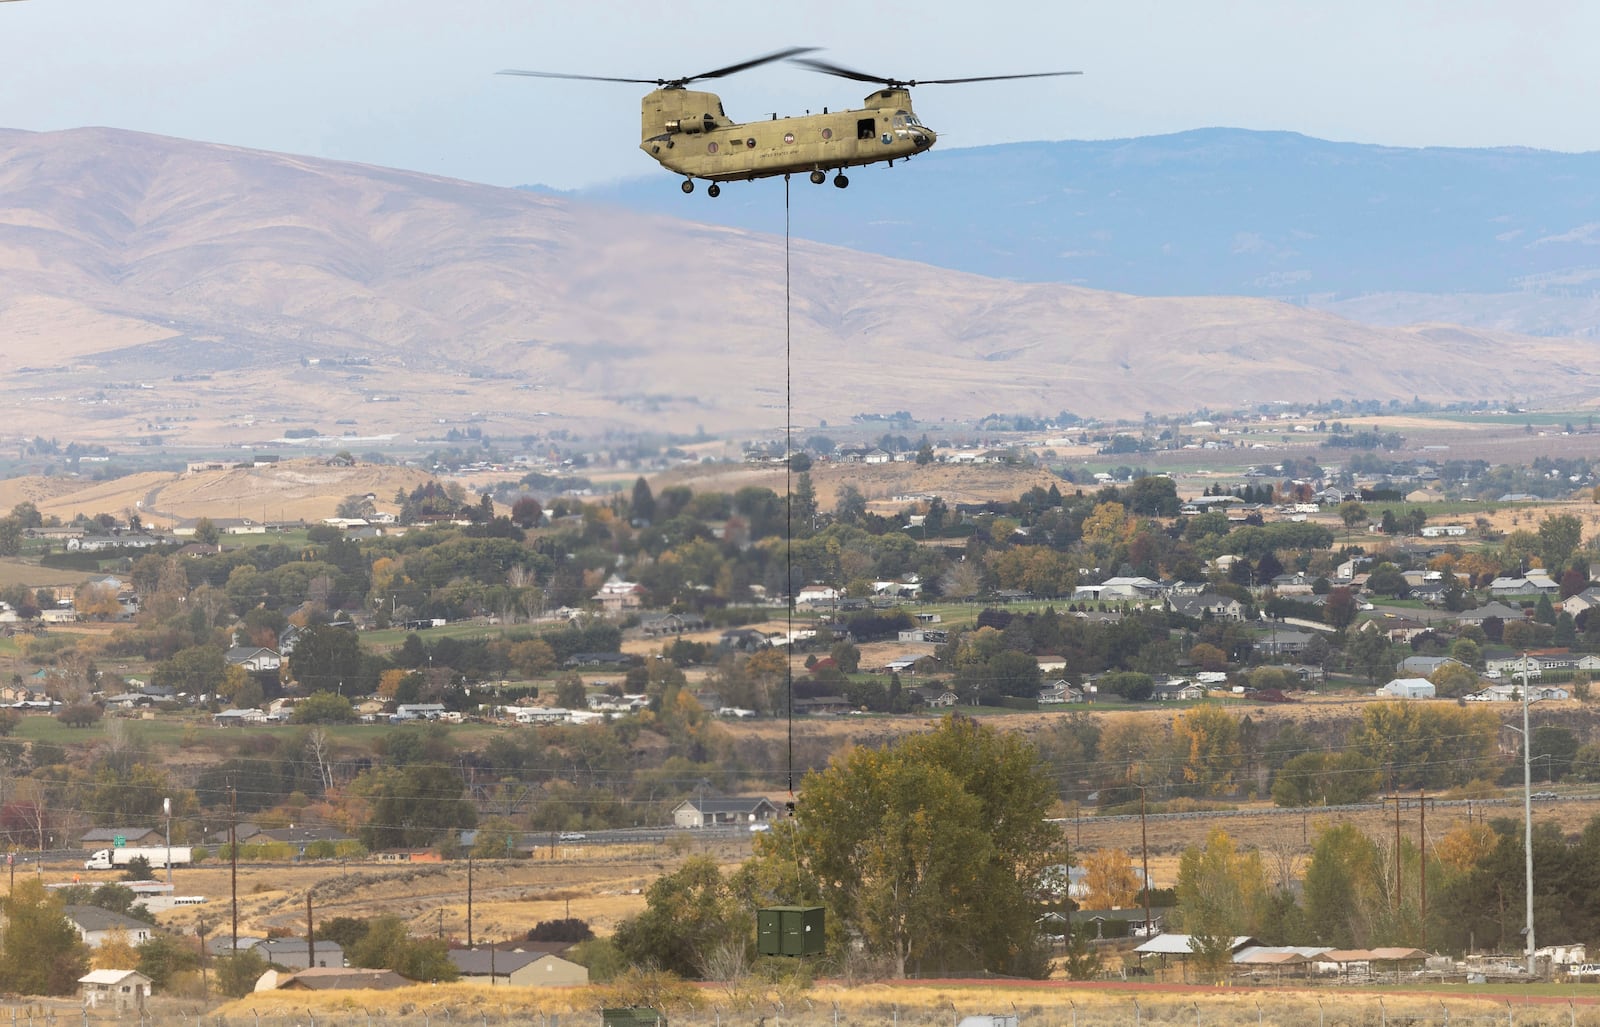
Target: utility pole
(1422,857)
(1527,814)
(469,898)
(233,858)
(311,934)
(1398,891)
(1144,853)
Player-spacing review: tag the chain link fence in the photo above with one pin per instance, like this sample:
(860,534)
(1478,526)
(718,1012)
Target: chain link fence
(1264,1010)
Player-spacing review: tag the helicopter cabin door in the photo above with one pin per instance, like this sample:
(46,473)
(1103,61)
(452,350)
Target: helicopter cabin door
(867,129)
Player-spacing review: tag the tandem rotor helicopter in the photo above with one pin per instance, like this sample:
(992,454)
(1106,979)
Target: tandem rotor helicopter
(687,131)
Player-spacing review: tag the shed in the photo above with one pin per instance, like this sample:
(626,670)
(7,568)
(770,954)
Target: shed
(1408,688)
(518,968)
(114,989)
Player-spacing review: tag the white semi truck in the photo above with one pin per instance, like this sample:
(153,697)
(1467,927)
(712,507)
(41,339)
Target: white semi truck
(155,855)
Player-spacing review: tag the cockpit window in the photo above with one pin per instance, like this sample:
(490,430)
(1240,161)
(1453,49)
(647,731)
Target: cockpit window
(899,121)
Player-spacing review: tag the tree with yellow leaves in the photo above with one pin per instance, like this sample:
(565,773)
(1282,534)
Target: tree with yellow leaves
(115,952)
(1109,880)
(1208,739)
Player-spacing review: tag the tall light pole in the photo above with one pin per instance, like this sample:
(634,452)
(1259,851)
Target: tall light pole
(166,811)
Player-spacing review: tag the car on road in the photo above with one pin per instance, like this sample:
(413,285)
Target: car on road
(760,825)
(573,836)
(1540,796)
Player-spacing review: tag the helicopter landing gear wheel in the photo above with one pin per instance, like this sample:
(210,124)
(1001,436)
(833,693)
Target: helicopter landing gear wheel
(713,190)
(841,182)
(688,185)
(818,177)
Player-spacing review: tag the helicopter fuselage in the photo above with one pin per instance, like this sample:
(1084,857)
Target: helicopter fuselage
(688,132)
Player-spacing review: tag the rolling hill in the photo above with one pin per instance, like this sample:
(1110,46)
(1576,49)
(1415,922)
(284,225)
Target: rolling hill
(195,295)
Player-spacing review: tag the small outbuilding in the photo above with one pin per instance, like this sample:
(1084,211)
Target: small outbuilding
(114,989)
(1408,688)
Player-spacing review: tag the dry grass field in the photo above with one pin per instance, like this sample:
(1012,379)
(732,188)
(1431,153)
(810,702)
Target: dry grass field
(918,1004)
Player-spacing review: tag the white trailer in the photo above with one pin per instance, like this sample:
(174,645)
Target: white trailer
(155,855)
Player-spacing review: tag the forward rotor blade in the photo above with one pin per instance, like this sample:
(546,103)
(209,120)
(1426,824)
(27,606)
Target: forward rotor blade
(583,78)
(776,55)
(842,72)
(990,78)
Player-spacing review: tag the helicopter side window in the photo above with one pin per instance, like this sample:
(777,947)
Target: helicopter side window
(866,128)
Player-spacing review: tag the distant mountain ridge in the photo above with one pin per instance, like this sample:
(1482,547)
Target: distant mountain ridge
(1496,238)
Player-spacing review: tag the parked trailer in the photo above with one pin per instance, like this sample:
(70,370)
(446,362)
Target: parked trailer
(155,855)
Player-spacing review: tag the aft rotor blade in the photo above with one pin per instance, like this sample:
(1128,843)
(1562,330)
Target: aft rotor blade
(828,68)
(776,55)
(583,78)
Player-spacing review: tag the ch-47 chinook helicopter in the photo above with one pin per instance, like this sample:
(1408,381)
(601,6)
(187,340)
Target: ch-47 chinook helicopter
(688,132)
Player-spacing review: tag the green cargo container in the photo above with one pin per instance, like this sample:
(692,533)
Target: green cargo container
(636,1016)
(789,931)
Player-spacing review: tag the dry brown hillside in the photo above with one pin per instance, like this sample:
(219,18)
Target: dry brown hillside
(304,489)
(205,294)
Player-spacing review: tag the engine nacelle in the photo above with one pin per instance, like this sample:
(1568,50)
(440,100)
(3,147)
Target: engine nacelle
(692,125)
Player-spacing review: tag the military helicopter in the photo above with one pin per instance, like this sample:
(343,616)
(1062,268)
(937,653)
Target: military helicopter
(689,133)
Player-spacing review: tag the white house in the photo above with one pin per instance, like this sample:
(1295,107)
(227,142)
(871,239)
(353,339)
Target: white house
(97,926)
(816,593)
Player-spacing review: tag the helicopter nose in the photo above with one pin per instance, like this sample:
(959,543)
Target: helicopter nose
(925,138)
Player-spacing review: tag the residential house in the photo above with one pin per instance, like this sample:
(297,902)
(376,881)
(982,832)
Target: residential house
(253,658)
(1508,586)
(1583,601)
(518,968)
(937,698)
(1297,583)
(288,638)
(1178,691)
(1058,692)
(724,811)
(617,597)
(299,953)
(743,640)
(671,624)
(1407,688)
(121,990)
(1499,663)
(1425,666)
(1128,923)
(611,661)
(816,594)
(97,926)
(1207,604)
(115,837)
(1283,642)
(1399,629)
(235,716)
(1499,611)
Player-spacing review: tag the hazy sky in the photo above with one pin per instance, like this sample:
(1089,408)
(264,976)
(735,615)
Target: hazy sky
(409,84)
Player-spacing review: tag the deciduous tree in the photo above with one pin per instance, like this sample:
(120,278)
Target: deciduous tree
(42,953)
